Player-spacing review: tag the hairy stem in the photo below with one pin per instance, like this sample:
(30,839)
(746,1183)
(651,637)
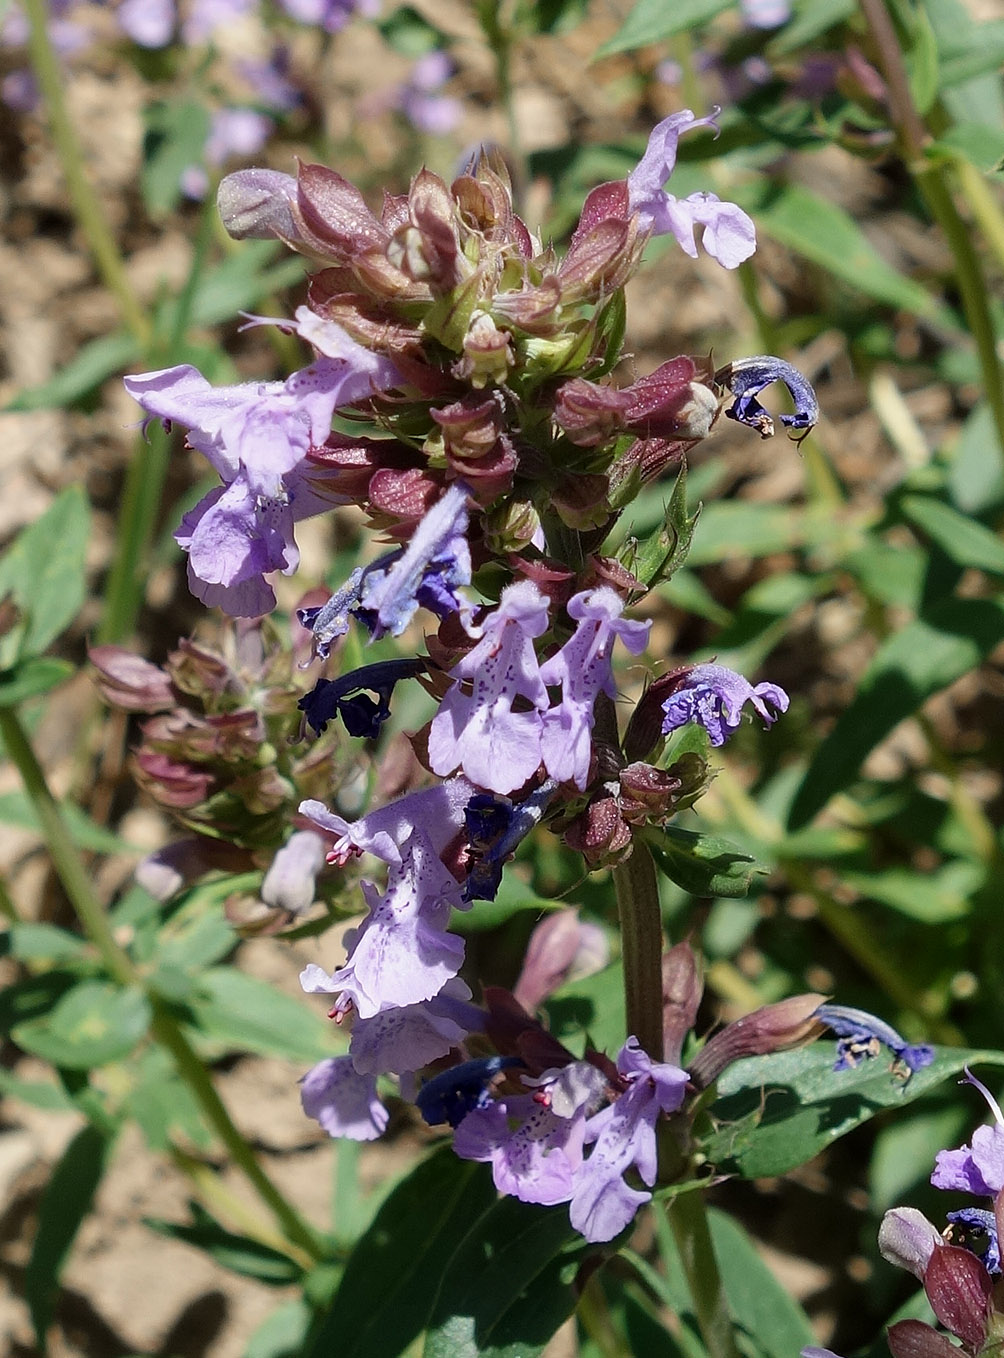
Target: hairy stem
(637,889)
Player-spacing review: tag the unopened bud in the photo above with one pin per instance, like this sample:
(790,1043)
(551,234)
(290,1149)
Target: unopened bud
(907,1239)
(682,988)
(256,205)
(774,1028)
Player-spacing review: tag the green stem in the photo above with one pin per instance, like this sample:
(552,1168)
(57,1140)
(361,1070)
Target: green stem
(193,1071)
(141,497)
(637,889)
(72,873)
(689,1222)
(86,204)
(933,182)
(77,885)
(7,908)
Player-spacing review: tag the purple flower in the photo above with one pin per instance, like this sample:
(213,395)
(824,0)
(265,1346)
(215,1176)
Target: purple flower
(437,811)
(765,13)
(729,235)
(405,1039)
(714,697)
(150,23)
(452,1094)
(256,436)
(979,1167)
(623,1135)
(344,1102)
(583,669)
(497,748)
(428,111)
(402,952)
(361,714)
(332,15)
(534,1141)
(747,377)
(290,881)
(862,1035)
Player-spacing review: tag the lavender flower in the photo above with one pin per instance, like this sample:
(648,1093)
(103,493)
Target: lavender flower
(402,952)
(418,98)
(344,1102)
(862,1035)
(583,669)
(729,235)
(428,572)
(497,748)
(232,132)
(602,1204)
(361,714)
(979,1167)
(533,1142)
(150,23)
(408,1037)
(290,881)
(714,696)
(331,15)
(256,436)
(747,377)
(437,811)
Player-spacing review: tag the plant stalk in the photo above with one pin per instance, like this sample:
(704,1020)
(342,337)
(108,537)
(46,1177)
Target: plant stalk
(86,203)
(77,885)
(637,889)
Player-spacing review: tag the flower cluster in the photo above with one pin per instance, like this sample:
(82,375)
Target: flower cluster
(494,454)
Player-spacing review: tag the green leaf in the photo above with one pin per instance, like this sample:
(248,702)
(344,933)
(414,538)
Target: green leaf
(811,18)
(392,1277)
(922,62)
(245,1014)
(975,476)
(45,943)
(653,20)
(162,1104)
(590,1009)
(818,230)
(65,1203)
(662,554)
(981,144)
(761,1307)
(505,1291)
(32,997)
(39,1093)
(971,50)
(965,541)
(704,865)
(930,898)
(775,1112)
(90,365)
(44,571)
(920,659)
(282,1334)
(238,1253)
(92,1024)
(174,136)
(16,809)
(32,677)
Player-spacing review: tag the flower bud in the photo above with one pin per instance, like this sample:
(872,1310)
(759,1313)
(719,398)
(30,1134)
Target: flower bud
(511,526)
(600,833)
(648,794)
(488,355)
(907,1239)
(129,682)
(682,988)
(774,1028)
(257,205)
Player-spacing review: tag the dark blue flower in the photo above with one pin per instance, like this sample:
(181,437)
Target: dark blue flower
(862,1037)
(344,697)
(495,828)
(452,1094)
(747,377)
(975,1229)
